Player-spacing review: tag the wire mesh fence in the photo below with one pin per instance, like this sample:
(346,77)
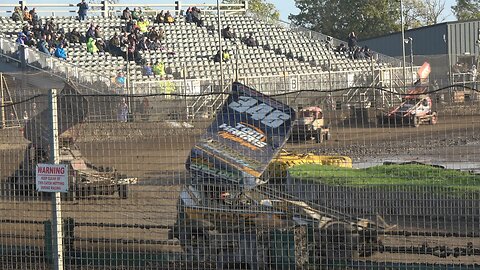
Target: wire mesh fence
(295,180)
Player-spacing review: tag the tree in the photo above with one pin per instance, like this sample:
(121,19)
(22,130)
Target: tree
(467,10)
(432,11)
(337,18)
(259,7)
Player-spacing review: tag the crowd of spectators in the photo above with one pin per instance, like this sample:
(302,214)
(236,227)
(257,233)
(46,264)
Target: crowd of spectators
(353,51)
(137,35)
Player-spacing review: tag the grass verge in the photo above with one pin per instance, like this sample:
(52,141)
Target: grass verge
(389,175)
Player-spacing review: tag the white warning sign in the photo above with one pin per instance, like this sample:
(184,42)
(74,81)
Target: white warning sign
(52,178)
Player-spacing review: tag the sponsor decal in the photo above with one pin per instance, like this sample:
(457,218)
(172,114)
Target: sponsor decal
(245,134)
(266,114)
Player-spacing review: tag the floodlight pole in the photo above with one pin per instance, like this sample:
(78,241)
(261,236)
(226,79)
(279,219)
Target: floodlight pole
(403,45)
(220,44)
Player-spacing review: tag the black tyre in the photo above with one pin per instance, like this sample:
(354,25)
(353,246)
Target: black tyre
(318,136)
(123,191)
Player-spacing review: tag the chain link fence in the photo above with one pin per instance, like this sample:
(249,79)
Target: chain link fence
(359,184)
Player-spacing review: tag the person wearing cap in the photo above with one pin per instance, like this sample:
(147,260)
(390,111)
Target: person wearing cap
(82,10)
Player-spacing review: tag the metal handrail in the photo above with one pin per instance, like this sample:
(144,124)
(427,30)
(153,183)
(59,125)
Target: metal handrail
(47,62)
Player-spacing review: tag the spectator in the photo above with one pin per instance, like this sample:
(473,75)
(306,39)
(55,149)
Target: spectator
(91,45)
(130,26)
(124,39)
(137,14)
(82,10)
(132,52)
(43,45)
(21,39)
(328,43)
(368,52)
(34,17)
(17,15)
(98,32)
(169,18)
(145,109)
(60,52)
(74,36)
(27,16)
(188,15)
(26,29)
(352,41)
(50,26)
(90,32)
(120,82)
(31,40)
(122,112)
(142,24)
(154,34)
(126,14)
(341,48)
(197,16)
(102,47)
(114,45)
(227,33)
(159,69)
(289,55)
(143,44)
(160,17)
(60,40)
(147,69)
(226,55)
(37,31)
(250,41)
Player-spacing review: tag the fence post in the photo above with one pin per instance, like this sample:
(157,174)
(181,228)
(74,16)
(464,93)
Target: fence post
(105,8)
(178,8)
(23,4)
(57,230)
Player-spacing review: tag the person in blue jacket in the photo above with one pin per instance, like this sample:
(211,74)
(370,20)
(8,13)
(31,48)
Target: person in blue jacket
(43,46)
(60,52)
(82,10)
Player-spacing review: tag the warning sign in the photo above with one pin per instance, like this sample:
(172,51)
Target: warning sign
(52,177)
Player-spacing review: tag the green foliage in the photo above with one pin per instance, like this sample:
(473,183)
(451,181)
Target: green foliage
(467,10)
(388,175)
(259,7)
(338,18)
(367,18)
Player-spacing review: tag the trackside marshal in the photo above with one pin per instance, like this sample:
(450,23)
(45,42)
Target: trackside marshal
(52,177)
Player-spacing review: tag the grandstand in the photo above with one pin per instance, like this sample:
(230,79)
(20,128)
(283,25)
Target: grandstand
(282,53)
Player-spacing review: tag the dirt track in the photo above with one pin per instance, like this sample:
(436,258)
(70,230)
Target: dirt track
(156,154)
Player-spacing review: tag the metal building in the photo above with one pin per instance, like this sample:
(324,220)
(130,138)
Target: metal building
(451,47)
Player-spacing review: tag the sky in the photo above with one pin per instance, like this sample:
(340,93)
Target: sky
(286,7)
